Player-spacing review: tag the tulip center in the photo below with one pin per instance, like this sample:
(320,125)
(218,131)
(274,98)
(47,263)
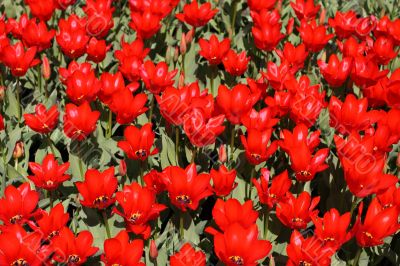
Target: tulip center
(328,239)
(304,263)
(183,199)
(236,260)
(304,173)
(387,205)
(256,157)
(20,262)
(141,153)
(16,219)
(297,221)
(73,259)
(369,235)
(272,196)
(49,183)
(134,217)
(53,234)
(99,202)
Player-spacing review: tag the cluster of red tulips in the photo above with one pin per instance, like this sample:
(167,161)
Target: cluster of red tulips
(289,158)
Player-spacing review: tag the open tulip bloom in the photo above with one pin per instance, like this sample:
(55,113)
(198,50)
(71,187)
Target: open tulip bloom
(167,132)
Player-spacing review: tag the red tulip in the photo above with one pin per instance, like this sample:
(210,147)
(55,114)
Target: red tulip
(213,50)
(72,36)
(236,102)
(79,121)
(50,175)
(42,9)
(262,120)
(294,56)
(394,30)
(63,4)
(257,145)
(314,36)
(138,142)
(277,75)
(18,60)
(236,63)
(352,48)
(384,50)
(296,213)
(146,24)
(344,23)
(37,34)
(42,121)
(99,17)
(50,224)
(333,228)
(97,50)
(82,86)
(119,250)
(139,207)
(186,188)
(73,250)
(276,192)
(128,106)
(18,247)
(187,255)
(110,84)
(66,73)
(98,188)
(160,7)
(389,198)
(335,72)
(156,77)
(18,204)
(2,127)
(308,251)
(305,9)
(366,72)
(382,26)
(267,29)
(197,15)
(240,246)
(258,5)
(378,224)
(365,26)
(223,181)
(156,181)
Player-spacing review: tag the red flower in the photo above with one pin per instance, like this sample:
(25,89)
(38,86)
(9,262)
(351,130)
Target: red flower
(110,83)
(97,50)
(42,121)
(333,228)
(18,204)
(119,250)
(2,127)
(300,149)
(65,73)
(79,121)
(128,106)
(139,207)
(156,77)
(213,50)
(197,15)
(305,9)
(277,75)
(296,213)
(17,59)
(240,246)
(130,58)
(257,5)
(236,102)
(98,188)
(378,224)
(37,34)
(73,250)
(50,224)
(257,145)
(262,120)
(63,4)
(50,174)
(188,256)
(72,36)
(267,29)
(335,72)
(82,86)
(146,23)
(186,188)
(156,181)
(138,142)
(308,251)
(383,49)
(160,7)
(365,26)
(344,23)
(394,30)
(390,197)
(223,181)
(99,17)
(314,36)
(236,64)
(352,48)
(231,211)
(366,72)
(276,192)
(17,247)
(294,56)
(42,9)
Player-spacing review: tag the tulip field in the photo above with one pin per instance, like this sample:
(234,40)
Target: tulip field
(199,132)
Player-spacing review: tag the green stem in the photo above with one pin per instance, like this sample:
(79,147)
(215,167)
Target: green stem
(266,222)
(177,137)
(253,170)
(357,258)
(141,173)
(109,125)
(51,198)
(151,108)
(214,74)
(353,206)
(16,164)
(50,144)
(39,78)
(234,14)
(232,144)
(105,220)
(181,229)
(46,89)
(194,153)
(80,161)
(17,92)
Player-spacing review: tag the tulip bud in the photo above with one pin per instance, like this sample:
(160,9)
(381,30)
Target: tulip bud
(181,82)
(189,36)
(46,72)
(153,250)
(176,54)
(222,153)
(182,46)
(168,55)
(322,17)
(122,168)
(289,26)
(398,160)
(279,6)
(2,93)
(18,150)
